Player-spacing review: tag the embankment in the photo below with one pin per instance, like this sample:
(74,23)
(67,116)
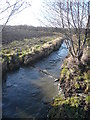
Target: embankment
(75,89)
(14,61)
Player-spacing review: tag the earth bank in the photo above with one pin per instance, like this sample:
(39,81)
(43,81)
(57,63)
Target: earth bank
(74,95)
(12,60)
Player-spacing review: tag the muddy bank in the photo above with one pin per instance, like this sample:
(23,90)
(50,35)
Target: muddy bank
(14,61)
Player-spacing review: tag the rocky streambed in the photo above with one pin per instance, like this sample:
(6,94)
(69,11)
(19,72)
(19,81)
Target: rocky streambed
(12,60)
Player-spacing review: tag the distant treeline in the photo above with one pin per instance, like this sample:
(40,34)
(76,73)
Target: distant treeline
(21,32)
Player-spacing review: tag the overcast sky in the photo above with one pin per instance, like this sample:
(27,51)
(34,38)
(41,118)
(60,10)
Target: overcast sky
(28,16)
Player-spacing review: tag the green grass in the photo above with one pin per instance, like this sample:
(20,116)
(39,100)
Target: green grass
(25,47)
(88,99)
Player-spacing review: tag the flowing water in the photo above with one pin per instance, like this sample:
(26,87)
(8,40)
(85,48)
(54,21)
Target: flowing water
(26,91)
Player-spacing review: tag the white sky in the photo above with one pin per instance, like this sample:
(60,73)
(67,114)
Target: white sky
(29,16)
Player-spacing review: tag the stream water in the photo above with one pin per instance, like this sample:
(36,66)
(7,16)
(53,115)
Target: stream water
(26,91)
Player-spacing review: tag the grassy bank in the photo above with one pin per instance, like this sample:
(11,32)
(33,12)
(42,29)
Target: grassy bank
(27,51)
(75,85)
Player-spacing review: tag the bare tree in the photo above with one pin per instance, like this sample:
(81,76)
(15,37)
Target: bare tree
(8,8)
(73,17)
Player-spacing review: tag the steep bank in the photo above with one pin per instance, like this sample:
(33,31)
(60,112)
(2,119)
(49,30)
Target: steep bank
(75,87)
(13,60)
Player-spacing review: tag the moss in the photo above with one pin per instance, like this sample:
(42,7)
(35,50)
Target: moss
(5,51)
(65,73)
(1,60)
(87,76)
(80,77)
(24,52)
(68,74)
(88,99)
(87,89)
(14,43)
(73,101)
(7,58)
(77,86)
(88,40)
(64,70)
(37,46)
(67,108)
(25,47)
(73,106)
(58,101)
